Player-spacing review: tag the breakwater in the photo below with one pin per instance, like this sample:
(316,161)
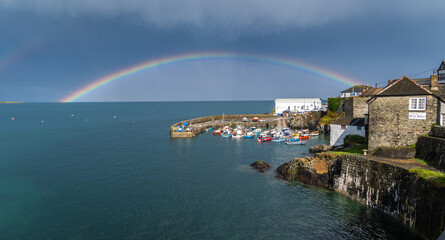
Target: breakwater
(199,125)
(383,184)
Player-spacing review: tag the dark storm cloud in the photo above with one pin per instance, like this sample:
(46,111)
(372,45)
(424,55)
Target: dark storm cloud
(231,16)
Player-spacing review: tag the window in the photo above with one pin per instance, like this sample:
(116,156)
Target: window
(343,126)
(359,128)
(442,120)
(417,104)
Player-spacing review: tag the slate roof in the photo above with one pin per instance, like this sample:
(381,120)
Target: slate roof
(372,92)
(404,86)
(350,121)
(356,88)
(423,81)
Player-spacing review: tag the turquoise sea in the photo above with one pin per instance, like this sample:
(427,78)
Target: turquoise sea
(74,171)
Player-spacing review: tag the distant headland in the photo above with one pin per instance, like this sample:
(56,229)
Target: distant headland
(10,102)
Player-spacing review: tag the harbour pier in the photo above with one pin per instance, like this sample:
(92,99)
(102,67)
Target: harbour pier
(198,125)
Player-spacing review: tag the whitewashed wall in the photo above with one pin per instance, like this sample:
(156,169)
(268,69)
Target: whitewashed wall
(338,134)
(295,105)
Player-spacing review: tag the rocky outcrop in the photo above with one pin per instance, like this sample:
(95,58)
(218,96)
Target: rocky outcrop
(307,120)
(324,128)
(260,166)
(317,170)
(319,148)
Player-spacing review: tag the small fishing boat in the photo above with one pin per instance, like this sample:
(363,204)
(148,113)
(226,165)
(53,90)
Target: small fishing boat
(264,139)
(296,142)
(294,139)
(249,135)
(217,132)
(279,140)
(315,133)
(226,135)
(304,137)
(209,129)
(237,136)
(257,131)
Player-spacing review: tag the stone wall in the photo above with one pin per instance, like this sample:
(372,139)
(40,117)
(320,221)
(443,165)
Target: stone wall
(394,190)
(389,124)
(354,107)
(432,148)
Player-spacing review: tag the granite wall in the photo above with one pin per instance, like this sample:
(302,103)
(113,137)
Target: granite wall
(394,190)
(432,148)
(354,107)
(389,123)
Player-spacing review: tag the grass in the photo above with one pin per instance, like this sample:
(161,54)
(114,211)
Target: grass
(358,150)
(433,176)
(425,162)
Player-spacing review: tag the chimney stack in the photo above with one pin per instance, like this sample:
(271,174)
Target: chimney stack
(389,81)
(434,81)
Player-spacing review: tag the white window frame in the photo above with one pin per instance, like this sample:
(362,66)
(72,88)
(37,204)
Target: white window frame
(442,119)
(417,106)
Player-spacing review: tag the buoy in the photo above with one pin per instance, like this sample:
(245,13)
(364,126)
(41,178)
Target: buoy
(42,121)
(114,116)
(12,118)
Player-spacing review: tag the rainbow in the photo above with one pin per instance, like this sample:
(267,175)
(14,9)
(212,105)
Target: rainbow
(96,84)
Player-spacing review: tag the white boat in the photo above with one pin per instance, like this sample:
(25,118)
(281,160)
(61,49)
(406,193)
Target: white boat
(296,142)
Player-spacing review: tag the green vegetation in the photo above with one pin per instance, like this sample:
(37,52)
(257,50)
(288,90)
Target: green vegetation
(355,138)
(425,162)
(358,150)
(433,176)
(329,118)
(333,104)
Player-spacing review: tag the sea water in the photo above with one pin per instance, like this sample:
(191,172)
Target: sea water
(111,171)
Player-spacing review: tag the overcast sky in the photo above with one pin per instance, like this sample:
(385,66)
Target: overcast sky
(51,48)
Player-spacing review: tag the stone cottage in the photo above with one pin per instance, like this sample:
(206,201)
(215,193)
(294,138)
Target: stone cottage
(400,113)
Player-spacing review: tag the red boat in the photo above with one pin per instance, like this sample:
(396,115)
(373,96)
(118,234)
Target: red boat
(264,139)
(217,132)
(304,137)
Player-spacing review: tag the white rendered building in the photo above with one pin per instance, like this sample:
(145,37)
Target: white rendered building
(344,126)
(297,105)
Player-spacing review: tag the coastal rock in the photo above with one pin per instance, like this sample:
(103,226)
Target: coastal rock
(319,148)
(307,120)
(260,166)
(324,128)
(317,170)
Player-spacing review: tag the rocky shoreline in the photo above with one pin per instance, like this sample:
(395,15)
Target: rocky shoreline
(384,184)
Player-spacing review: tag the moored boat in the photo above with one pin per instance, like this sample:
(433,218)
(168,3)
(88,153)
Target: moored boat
(296,142)
(264,139)
(279,140)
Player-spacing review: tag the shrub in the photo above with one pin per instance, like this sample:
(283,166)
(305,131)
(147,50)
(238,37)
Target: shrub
(328,118)
(354,138)
(334,104)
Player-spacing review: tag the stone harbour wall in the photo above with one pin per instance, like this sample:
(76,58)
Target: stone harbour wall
(416,202)
(389,123)
(394,190)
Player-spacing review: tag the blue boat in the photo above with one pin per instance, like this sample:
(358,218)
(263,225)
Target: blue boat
(279,140)
(226,135)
